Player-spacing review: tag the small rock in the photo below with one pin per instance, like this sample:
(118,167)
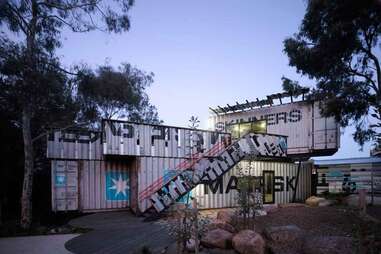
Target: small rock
(226,216)
(217,238)
(283,234)
(314,201)
(328,245)
(222,225)
(249,242)
(326,202)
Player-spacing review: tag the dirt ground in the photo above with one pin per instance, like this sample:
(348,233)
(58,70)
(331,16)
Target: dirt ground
(325,221)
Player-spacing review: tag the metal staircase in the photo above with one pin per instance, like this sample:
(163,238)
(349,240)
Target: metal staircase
(211,166)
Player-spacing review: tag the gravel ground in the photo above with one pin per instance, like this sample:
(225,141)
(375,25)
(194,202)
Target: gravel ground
(44,244)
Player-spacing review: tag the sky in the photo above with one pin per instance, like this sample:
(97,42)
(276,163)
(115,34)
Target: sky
(203,54)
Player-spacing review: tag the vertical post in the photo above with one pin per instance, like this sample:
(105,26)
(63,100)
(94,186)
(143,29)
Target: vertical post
(296,182)
(372,185)
(195,210)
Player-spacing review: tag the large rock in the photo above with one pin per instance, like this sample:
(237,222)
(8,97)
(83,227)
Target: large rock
(249,242)
(283,234)
(328,245)
(226,216)
(222,225)
(314,201)
(217,238)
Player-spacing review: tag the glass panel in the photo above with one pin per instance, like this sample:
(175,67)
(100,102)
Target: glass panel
(240,129)
(268,187)
(259,126)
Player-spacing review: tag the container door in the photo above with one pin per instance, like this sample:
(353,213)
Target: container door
(268,187)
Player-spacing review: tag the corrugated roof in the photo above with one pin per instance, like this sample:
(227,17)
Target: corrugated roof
(362,160)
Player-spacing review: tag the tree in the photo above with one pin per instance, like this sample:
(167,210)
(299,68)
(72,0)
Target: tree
(109,93)
(33,31)
(337,45)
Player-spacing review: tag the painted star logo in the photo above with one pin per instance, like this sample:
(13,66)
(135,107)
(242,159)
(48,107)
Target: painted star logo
(117,186)
(120,186)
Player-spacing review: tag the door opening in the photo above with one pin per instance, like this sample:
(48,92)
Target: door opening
(268,187)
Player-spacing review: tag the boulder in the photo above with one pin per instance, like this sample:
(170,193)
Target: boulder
(314,201)
(226,216)
(249,242)
(222,225)
(217,238)
(284,234)
(328,245)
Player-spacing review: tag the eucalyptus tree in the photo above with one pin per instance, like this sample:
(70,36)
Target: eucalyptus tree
(32,29)
(338,46)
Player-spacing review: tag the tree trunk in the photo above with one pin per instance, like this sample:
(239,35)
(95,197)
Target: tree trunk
(26,197)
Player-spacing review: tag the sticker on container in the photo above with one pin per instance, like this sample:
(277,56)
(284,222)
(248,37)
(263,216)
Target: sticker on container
(60,180)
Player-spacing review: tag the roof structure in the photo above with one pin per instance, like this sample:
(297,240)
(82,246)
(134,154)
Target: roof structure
(249,105)
(360,160)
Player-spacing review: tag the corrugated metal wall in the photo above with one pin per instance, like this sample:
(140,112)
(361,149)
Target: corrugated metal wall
(97,181)
(74,145)
(153,172)
(126,138)
(91,185)
(224,194)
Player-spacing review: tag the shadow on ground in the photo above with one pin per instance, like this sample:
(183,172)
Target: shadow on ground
(118,232)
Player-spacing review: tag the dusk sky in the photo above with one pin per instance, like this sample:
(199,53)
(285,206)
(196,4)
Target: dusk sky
(203,53)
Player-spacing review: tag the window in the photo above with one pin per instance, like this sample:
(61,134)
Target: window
(240,129)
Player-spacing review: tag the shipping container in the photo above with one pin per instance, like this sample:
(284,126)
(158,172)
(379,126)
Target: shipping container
(130,162)
(308,132)
(349,175)
(74,144)
(92,185)
(223,192)
(138,139)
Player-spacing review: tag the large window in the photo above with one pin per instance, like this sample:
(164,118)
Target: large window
(238,130)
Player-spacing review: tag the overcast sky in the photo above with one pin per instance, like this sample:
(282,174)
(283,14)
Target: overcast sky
(203,53)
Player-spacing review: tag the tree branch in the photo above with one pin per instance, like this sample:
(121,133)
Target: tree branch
(368,51)
(68,7)
(21,21)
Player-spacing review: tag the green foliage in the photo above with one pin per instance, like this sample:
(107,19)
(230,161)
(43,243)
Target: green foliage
(249,200)
(293,87)
(109,93)
(337,45)
(182,226)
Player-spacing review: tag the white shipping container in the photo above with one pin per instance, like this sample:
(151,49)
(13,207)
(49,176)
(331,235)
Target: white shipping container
(308,133)
(223,193)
